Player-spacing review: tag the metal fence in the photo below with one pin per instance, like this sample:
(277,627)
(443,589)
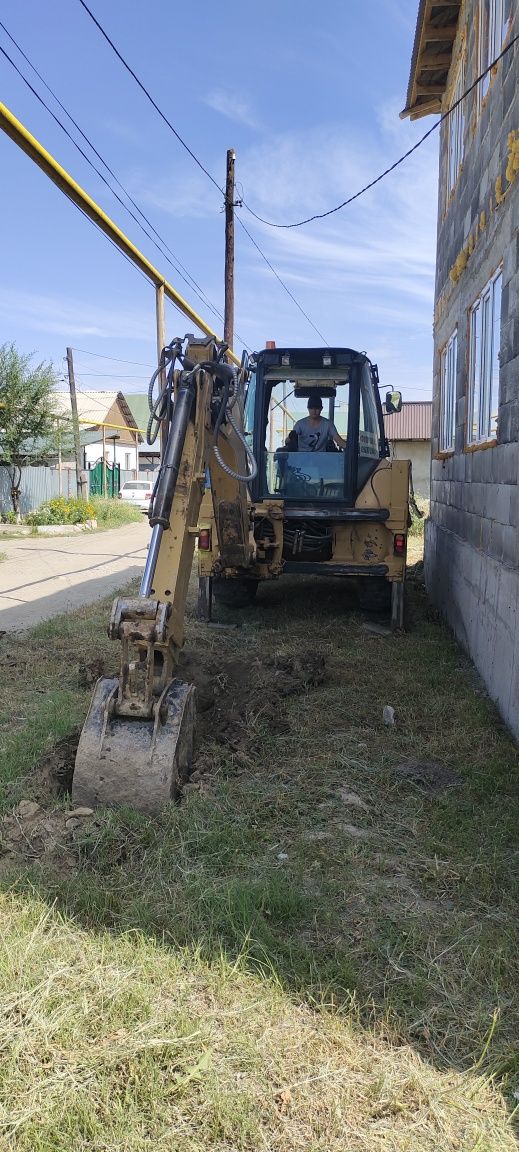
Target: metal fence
(40,484)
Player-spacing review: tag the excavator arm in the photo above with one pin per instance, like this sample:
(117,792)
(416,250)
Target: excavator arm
(137,740)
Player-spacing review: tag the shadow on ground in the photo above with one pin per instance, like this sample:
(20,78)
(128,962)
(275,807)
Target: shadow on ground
(353,859)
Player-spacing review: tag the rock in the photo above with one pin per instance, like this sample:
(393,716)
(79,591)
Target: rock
(26,809)
(388,714)
(80,812)
(72,823)
(282,856)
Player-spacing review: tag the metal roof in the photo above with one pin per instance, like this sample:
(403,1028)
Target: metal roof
(436,28)
(412,423)
(140,410)
(95,406)
(90,405)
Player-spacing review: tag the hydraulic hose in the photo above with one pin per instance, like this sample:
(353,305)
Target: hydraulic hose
(170,465)
(250,457)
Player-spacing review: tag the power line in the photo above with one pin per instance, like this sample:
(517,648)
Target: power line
(190,282)
(344,204)
(283,285)
(150,98)
(194,157)
(112,377)
(116,359)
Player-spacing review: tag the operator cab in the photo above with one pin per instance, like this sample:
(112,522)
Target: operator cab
(282,383)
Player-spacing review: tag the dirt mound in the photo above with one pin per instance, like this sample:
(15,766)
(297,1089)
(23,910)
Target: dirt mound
(235,698)
(236,695)
(31,834)
(428,775)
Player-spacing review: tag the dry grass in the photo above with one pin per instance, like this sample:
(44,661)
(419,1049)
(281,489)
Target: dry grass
(116,1043)
(316,950)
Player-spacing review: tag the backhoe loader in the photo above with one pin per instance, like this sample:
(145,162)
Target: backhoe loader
(258,511)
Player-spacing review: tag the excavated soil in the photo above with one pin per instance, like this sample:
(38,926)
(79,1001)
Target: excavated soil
(234,697)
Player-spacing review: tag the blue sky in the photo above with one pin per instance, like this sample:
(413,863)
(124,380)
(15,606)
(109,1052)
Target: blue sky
(308,95)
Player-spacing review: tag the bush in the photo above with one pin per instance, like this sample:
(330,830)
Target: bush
(62,510)
(418,522)
(111,513)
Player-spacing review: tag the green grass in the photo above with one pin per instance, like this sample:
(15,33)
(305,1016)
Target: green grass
(418,522)
(310,952)
(112,513)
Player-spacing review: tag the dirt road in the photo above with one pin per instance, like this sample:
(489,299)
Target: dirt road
(44,576)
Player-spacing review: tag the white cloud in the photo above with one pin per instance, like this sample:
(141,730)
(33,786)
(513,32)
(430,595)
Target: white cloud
(365,275)
(186,196)
(229,105)
(70,318)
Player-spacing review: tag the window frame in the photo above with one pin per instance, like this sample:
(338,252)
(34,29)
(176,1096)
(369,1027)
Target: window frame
(483,373)
(448,381)
(490,39)
(456,131)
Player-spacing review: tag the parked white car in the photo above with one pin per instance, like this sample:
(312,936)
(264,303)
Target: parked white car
(137,492)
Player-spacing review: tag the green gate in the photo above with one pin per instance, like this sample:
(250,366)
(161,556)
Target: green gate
(113,479)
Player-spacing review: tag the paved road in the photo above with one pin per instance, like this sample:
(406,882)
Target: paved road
(44,576)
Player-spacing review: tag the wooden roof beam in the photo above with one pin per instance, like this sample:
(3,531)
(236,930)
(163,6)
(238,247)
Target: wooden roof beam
(429,63)
(434,34)
(429,89)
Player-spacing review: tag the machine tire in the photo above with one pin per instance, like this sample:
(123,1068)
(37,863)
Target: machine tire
(237,592)
(374,594)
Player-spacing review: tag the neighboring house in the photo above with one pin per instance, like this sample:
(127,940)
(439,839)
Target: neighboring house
(472,563)
(409,435)
(106,427)
(149,454)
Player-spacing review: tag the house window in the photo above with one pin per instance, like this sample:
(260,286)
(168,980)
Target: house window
(127,461)
(448,362)
(484,340)
(456,131)
(494,21)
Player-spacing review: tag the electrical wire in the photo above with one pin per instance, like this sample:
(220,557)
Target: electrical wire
(367,187)
(116,359)
(188,279)
(128,376)
(283,285)
(196,160)
(150,98)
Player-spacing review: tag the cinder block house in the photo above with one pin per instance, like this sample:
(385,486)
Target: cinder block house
(472,562)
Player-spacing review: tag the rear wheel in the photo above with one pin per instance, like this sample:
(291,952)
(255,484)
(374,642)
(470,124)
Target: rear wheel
(374,593)
(235,592)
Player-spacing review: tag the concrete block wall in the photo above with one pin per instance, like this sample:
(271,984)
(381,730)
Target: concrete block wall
(472,545)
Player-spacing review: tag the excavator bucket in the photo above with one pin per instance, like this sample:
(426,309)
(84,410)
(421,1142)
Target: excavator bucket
(134,762)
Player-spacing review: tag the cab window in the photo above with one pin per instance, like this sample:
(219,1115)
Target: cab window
(305,475)
(369,428)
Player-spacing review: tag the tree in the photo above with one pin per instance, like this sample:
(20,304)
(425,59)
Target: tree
(27,412)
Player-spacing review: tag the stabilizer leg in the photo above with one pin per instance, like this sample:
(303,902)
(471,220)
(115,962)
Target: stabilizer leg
(204,608)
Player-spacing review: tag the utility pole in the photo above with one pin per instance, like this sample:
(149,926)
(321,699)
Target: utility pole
(60,484)
(75,421)
(228,331)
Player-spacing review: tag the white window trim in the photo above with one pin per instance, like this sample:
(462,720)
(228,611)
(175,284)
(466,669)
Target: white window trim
(456,130)
(491,47)
(482,317)
(448,373)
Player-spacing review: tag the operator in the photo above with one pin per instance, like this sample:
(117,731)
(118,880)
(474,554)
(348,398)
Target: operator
(314,432)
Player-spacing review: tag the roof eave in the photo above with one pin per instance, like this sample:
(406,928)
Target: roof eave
(436,30)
